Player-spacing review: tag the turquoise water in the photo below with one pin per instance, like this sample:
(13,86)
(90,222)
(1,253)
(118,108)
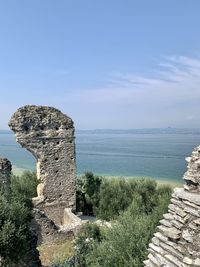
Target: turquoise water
(158,153)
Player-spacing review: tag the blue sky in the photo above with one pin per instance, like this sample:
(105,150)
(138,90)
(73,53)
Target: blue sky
(106,63)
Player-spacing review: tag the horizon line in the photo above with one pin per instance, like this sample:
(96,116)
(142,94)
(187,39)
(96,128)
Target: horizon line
(128,129)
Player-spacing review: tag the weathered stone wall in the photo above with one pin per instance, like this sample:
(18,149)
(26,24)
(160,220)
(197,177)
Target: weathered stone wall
(49,135)
(47,231)
(5,173)
(177,242)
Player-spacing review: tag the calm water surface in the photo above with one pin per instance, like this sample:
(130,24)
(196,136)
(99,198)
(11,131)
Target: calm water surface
(150,154)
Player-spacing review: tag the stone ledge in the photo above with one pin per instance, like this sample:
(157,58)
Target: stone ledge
(191,197)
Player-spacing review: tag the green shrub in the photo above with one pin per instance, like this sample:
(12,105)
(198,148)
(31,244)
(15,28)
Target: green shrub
(108,198)
(24,186)
(117,194)
(86,240)
(87,193)
(147,189)
(125,244)
(15,215)
(14,232)
(164,190)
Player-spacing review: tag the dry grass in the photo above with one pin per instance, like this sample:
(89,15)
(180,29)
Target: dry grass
(51,254)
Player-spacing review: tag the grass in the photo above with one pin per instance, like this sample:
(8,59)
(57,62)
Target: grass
(56,253)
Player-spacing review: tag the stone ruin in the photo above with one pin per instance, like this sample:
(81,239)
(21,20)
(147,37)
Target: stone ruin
(5,173)
(177,242)
(49,135)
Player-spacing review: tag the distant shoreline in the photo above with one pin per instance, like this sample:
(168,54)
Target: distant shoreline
(168,130)
(160,181)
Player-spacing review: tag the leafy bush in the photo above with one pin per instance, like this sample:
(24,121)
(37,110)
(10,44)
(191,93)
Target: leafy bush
(14,218)
(87,193)
(89,235)
(135,205)
(125,244)
(108,198)
(116,195)
(15,215)
(24,186)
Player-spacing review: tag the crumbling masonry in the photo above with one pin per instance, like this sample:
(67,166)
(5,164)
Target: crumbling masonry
(49,135)
(5,173)
(177,242)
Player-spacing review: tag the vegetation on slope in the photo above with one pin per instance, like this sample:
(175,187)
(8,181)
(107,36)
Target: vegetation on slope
(134,208)
(15,215)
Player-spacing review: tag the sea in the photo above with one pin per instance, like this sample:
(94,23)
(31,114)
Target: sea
(148,153)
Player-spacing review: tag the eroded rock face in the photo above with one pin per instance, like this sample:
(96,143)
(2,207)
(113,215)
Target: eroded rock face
(5,173)
(49,135)
(192,176)
(177,242)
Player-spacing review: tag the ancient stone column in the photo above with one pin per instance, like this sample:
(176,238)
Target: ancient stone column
(177,241)
(49,135)
(5,173)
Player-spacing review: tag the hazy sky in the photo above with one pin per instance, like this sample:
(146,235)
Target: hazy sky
(106,63)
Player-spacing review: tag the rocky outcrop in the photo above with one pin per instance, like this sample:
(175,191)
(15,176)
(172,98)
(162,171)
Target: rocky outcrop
(5,173)
(192,176)
(177,242)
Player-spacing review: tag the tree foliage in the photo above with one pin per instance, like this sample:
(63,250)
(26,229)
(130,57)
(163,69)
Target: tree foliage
(136,206)
(125,244)
(15,215)
(116,195)
(87,193)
